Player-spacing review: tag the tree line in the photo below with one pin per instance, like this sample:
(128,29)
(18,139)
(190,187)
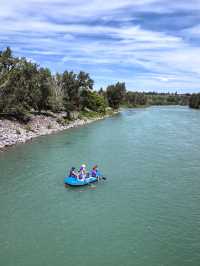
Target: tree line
(26,87)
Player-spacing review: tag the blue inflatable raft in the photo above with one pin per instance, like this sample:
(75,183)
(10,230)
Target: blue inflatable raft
(73,181)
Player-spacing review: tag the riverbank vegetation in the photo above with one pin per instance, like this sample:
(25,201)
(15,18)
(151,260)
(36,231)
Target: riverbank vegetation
(26,88)
(194,101)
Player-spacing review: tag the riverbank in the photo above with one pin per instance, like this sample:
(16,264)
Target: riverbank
(13,132)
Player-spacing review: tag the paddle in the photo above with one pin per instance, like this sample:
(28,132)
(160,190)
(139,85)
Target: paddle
(101,176)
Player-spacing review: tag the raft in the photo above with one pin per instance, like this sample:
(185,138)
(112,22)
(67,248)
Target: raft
(73,181)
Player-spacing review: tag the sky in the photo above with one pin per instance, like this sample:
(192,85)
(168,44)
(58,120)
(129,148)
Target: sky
(149,44)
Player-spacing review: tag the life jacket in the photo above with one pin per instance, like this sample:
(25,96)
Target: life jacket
(72,173)
(94,173)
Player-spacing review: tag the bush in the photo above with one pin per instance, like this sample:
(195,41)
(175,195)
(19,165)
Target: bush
(94,102)
(88,114)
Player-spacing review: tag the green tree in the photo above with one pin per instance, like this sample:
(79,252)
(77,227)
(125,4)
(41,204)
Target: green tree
(21,92)
(75,88)
(115,94)
(94,102)
(70,88)
(45,87)
(194,101)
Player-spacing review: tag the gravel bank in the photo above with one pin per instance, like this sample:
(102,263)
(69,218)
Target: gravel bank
(13,132)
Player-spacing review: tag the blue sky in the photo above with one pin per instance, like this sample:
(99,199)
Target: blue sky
(149,44)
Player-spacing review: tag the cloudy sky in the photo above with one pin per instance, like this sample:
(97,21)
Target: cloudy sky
(149,44)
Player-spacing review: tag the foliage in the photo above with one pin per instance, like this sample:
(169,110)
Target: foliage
(115,94)
(27,88)
(167,98)
(88,114)
(75,88)
(93,101)
(45,88)
(194,101)
(134,99)
(24,87)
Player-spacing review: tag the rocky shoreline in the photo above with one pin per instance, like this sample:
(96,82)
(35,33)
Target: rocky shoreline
(12,132)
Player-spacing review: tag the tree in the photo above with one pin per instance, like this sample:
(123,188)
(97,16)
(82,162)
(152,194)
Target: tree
(94,102)
(21,92)
(56,96)
(70,88)
(7,62)
(45,87)
(75,89)
(194,101)
(85,87)
(85,82)
(115,94)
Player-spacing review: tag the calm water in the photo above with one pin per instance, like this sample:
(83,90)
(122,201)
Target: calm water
(147,213)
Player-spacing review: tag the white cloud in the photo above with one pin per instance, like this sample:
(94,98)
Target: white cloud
(63,32)
(193,32)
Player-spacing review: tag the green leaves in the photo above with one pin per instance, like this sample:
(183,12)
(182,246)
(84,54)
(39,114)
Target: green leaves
(116,94)
(25,87)
(93,101)
(134,99)
(75,88)
(194,101)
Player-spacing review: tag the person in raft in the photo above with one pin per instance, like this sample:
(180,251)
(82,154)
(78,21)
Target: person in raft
(73,172)
(82,172)
(95,171)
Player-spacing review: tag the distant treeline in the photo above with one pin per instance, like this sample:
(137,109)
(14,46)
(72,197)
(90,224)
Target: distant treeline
(154,98)
(26,87)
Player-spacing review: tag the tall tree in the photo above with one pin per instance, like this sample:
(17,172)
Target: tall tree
(45,87)
(21,92)
(70,88)
(115,94)
(194,101)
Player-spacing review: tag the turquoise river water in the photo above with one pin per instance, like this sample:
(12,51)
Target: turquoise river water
(147,212)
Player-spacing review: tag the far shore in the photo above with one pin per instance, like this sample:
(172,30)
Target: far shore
(13,132)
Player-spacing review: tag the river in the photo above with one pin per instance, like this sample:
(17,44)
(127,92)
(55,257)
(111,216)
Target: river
(147,212)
